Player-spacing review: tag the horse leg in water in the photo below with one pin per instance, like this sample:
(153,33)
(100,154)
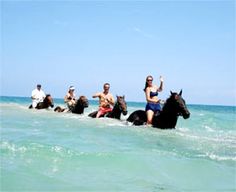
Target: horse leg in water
(93,114)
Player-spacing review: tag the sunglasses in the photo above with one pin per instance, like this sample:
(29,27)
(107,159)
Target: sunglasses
(149,80)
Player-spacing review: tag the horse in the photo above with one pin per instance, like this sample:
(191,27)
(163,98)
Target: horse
(119,107)
(47,102)
(80,104)
(167,118)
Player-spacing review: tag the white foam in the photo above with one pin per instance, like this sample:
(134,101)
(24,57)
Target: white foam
(209,129)
(217,157)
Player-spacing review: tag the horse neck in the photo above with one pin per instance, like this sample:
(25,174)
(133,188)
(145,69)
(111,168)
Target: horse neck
(79,108)
(116,112)
(46,104)
(169,109)
(167,118)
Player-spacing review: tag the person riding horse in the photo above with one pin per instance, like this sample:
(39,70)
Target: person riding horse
(120,107)
(174,107)
(37,96)
(106,101)
(45,104)
(78,108)
(70,98)
(153,103)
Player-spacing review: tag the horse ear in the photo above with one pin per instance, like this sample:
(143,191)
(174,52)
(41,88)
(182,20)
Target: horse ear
(123,96)
(180,93)
(171,92)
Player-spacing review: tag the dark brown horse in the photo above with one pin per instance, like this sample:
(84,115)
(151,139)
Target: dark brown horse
(47,102)
(81,103)
(167,118)
(119,107)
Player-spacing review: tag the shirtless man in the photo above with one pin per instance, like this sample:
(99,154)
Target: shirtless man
(106,101)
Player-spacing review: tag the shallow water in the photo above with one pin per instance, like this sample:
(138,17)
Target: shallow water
(46,151)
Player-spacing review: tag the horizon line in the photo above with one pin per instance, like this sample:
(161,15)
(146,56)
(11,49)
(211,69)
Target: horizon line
(130,101)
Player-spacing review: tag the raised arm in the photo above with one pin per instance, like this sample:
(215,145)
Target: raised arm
(96,95)
(161,84)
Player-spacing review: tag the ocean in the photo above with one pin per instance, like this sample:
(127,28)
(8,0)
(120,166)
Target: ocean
(42,150)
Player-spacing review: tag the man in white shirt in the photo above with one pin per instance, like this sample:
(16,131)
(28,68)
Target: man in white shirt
(37,96)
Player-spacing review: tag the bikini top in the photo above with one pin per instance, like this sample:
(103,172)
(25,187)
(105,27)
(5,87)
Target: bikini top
(153,94)
(70,96)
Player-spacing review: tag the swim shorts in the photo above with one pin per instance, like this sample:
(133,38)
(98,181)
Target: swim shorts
(103,110)
(153,106)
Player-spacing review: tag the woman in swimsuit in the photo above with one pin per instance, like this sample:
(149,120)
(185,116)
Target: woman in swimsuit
(153,103)
(70,98)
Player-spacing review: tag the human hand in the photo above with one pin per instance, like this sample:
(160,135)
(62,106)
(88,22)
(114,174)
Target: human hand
(161,79)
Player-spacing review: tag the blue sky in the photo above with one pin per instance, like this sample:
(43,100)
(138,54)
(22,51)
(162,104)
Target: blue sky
(87,43)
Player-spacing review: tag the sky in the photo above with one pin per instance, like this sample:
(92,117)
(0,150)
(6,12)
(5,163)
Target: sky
(88,43)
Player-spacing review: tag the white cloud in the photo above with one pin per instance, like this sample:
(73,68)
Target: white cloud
(143,33)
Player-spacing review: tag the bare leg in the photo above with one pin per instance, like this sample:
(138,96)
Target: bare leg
(99,113)
(150,114)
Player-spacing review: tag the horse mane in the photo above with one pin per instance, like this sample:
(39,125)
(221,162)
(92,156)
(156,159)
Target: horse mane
(169,100)
(82,97)
(116,112)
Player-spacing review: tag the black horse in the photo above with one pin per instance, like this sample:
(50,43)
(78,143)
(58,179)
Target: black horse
(119,107)
(81,103)
(167,118)
(47,102)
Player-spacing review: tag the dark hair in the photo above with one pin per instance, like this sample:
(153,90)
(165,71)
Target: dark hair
(146,83)
(106,84)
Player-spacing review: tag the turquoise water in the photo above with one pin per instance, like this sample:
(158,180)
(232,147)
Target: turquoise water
(46,151)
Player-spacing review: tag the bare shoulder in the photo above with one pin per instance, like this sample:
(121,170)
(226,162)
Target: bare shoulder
(148,89)
(110,95)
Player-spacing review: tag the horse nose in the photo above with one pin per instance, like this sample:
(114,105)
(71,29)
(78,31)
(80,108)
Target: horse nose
(125,112)
(186,116)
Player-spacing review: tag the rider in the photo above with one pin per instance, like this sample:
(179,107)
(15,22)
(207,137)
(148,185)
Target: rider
(37,96)
(106,100)
(70,98)
(153,103)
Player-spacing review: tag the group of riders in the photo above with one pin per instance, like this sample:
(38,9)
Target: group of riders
(106,99)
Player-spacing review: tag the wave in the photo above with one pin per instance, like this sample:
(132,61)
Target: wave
(7,147)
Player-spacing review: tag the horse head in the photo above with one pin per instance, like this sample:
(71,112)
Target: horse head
(179,105)
(81,103)
(49,100)
(121,104)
